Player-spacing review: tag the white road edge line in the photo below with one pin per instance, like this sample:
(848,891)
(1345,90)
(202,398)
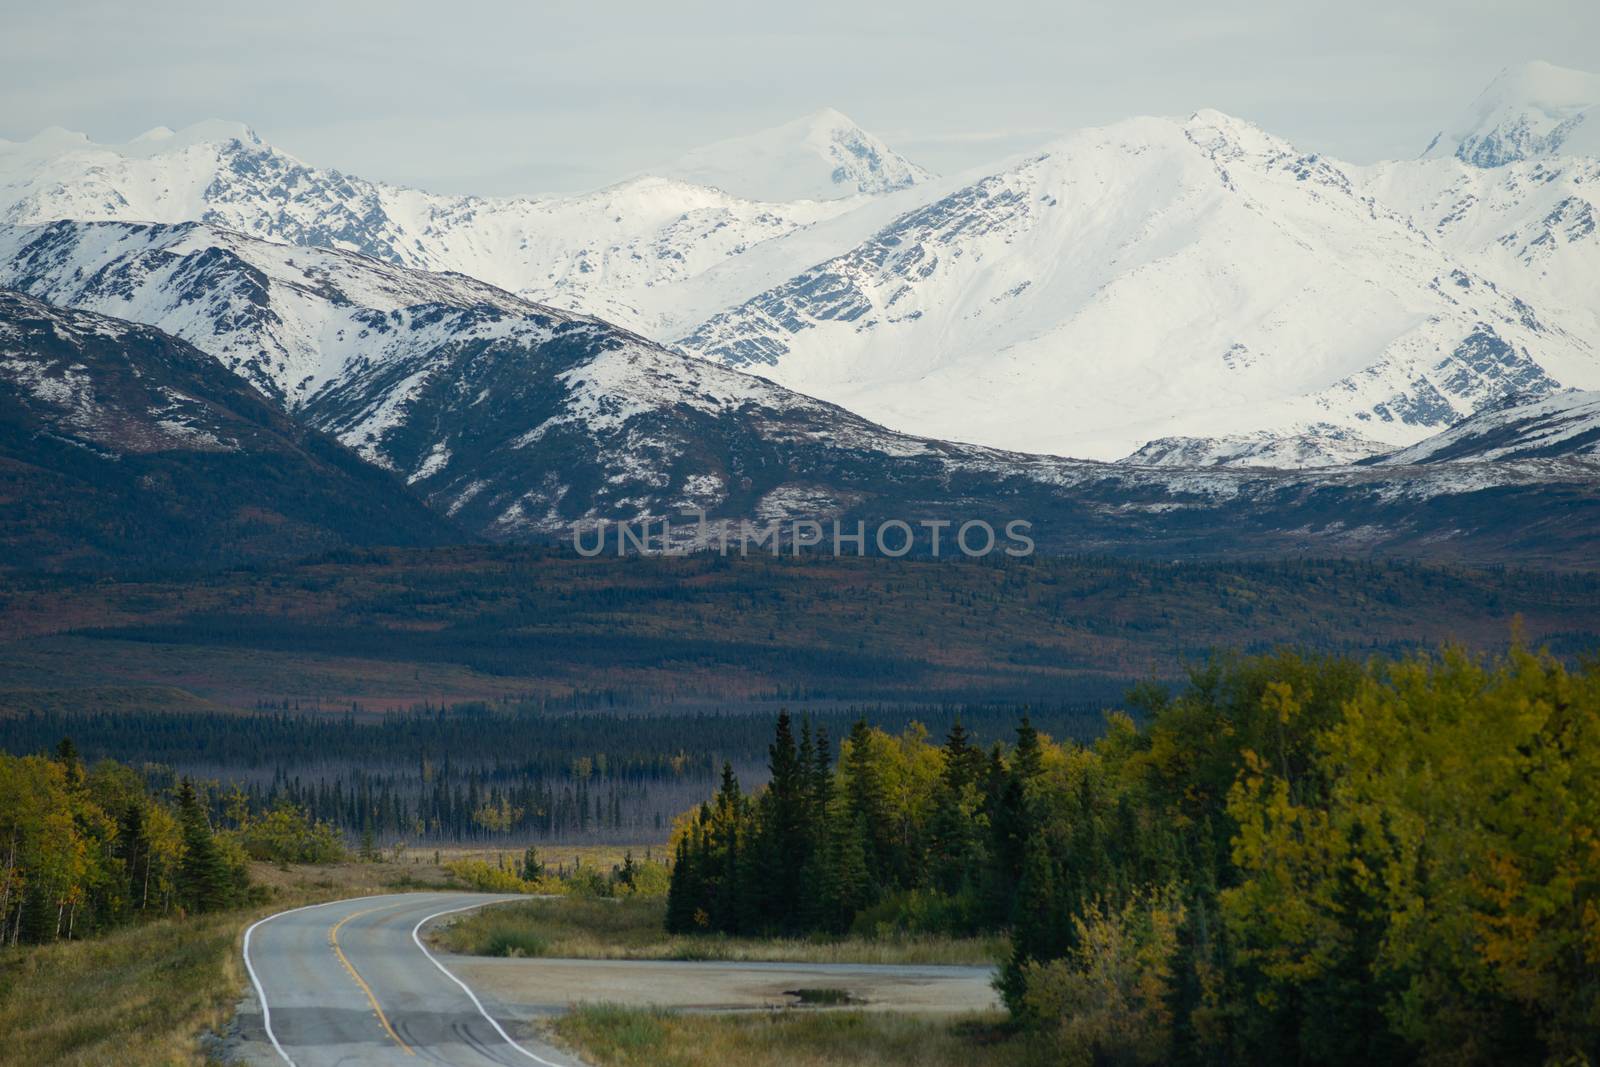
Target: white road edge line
(255,980)
(415,936)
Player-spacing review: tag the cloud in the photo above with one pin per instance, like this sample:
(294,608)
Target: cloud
(489,94)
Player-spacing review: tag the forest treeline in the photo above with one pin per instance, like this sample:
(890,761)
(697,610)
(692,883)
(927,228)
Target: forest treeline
(83,849)
(471,774)
(1287,860)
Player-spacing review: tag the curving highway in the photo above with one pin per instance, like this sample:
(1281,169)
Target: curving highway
(351,983)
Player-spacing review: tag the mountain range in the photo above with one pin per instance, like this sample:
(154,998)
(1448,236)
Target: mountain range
(1291,354)
(1192,278)
(518,422)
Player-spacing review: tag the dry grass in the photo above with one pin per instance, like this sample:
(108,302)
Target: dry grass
(612,1036)
(631,929)
(555,857)
(139,996)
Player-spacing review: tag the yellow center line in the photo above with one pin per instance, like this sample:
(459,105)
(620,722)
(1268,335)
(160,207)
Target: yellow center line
(333,939)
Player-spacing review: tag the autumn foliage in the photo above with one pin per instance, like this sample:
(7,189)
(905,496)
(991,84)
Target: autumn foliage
(1289,860)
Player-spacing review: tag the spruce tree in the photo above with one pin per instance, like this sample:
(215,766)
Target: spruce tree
(847,885)
(204,881)
(532,865)
(1038,923)
(781,852)
(953,853)
(133,849)
(681,895)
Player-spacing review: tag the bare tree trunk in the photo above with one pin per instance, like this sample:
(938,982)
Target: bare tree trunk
(11,868)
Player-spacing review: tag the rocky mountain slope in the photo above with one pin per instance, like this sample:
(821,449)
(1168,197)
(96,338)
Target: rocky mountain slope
(1518,196)
(120,444)
(1529,110)
(1565,424)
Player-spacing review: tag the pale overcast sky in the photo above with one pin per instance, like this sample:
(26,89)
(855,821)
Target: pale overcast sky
(535,96)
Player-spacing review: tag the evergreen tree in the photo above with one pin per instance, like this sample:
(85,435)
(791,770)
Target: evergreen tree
(532,865)
(846,885)
(953,853)
(682,892)
(783,847)
(1040,921)
(67,756)
(133,850)
(204,881)
(867,799)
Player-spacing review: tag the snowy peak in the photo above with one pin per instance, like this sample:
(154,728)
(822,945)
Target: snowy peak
(823,156)
(1529,110)
(625,252)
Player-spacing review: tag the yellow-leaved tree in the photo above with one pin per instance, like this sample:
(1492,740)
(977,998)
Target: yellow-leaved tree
(1453,864)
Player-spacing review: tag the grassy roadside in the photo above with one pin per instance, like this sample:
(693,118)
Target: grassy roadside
(138,996)
(630,928)
(143,995)
(612,1036)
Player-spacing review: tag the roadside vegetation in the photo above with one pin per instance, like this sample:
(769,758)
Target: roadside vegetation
(156,993)
(83,850)
(631,928)
(1312,861)
(139,996)
(612,1036)
(122,907)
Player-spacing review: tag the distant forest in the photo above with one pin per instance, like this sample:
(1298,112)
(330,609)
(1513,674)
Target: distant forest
(390,630)
(472,774)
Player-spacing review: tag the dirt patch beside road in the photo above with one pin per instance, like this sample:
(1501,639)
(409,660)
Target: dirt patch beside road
(541,986)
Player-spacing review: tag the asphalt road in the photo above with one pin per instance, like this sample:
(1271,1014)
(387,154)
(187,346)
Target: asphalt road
(350,983)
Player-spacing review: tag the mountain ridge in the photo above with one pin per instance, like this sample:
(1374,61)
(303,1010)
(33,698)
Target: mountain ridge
(122,445)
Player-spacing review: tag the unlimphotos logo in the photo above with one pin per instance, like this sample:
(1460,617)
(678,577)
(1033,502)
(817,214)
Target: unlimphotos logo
(970,538)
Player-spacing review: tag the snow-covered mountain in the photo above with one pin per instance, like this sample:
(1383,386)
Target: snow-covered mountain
(624,252)
(287,319)
(1559,425)
(513,417)
(1530,219)
(1529,110)
(1151,279)
(822,156)
(121,443)
(1197,285)
(516,420)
